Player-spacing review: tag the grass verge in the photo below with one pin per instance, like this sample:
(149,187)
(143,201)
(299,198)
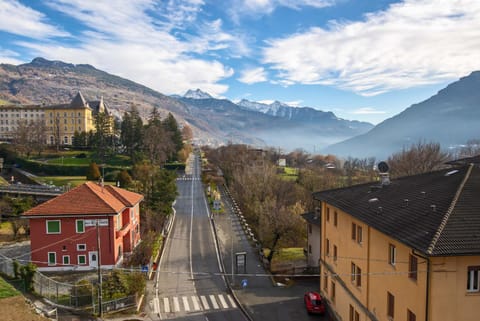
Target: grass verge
(6,290)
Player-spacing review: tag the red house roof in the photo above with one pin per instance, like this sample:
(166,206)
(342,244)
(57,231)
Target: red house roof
(88,199)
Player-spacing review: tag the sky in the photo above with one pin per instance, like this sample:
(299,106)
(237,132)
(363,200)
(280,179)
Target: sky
(361,59)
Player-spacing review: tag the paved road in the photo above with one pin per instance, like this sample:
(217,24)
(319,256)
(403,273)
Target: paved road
(189,283)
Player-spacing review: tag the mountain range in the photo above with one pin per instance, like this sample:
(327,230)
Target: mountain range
(213,121)
(451,117)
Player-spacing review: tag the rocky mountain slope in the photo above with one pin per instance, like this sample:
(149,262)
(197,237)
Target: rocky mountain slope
(214,121)
(451,118)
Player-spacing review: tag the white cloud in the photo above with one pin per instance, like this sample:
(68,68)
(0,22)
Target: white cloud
(367,111)
(252,76)
(21,20)
(261,7)
(126,38)
(412,43)
(294,103)
(9,57)
(266,101)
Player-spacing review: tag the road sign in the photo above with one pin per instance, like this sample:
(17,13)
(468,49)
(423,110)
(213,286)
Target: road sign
(241,260)
(244,283)
(101,222)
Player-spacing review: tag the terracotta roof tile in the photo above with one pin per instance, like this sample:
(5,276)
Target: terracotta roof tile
(89,198)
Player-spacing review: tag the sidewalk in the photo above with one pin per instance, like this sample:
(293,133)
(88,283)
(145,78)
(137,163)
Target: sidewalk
(261,290)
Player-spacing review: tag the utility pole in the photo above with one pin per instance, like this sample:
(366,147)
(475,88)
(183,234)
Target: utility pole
(100,310)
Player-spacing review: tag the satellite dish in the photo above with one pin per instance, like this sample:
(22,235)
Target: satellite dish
(383,167)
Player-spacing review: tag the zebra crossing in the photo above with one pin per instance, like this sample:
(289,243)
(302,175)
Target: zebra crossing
(188,179)
(194,303)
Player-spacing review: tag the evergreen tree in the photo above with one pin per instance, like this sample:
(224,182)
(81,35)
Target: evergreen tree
(131,135)
(93,172)
(171,125)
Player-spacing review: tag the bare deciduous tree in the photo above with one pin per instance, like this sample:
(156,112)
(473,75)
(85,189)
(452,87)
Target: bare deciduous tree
(419,158)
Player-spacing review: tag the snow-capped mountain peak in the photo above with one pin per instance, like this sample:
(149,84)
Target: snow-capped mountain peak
(197,94)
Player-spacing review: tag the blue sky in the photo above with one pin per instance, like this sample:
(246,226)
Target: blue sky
(361,59)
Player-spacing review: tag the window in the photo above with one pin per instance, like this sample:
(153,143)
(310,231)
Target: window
(81,247)
(327,247)
(351,312)
(356,275)
(328,214)
(333,292)
(472,278)
(66,259)
(309,228)
(390,305)
(82,259)
(53,227)
(412,267)
(335,218)
(52,258)
(411,316)
(65,139)
(357,316)
(357,233)
(335,253)
(392,254)
(325,283)
(80,226)
(309,249)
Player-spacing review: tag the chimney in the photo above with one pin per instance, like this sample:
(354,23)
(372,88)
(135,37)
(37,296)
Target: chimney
(384,179)
(433,207)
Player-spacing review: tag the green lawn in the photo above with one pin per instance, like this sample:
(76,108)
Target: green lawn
(68,157)
(285,255)
(62,180)
(289,174)
(6,290)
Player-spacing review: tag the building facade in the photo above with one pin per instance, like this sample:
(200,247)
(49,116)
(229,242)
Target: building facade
(61,121)
(313,239)
(67,232)
(408,249)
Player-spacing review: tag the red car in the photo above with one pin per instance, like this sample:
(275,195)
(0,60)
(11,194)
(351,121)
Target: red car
(314,303)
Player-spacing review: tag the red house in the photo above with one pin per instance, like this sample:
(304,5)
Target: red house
(64,233)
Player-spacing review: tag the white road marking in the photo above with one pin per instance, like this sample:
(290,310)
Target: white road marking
(232,301)
(196,305)
(155,305)
(222,301)
(205,303)
(214,302)
(186,305)
(176,305)
(166,305)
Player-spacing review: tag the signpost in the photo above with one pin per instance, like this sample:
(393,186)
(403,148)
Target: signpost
(241,260)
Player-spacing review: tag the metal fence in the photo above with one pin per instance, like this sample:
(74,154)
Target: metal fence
(80,296)
(6,266)
(77,295)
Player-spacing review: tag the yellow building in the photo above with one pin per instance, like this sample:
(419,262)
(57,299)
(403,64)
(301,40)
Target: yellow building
(61,120)
(404,250)
(12,115)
